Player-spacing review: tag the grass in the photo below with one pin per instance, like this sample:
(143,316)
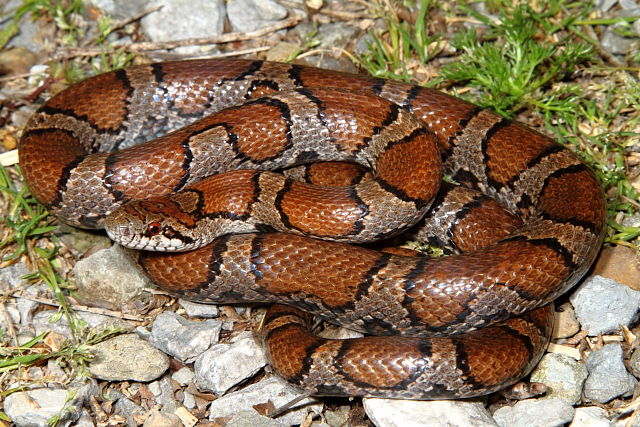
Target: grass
(527,61)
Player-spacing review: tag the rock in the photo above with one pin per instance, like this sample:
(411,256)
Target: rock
(194,309)
(127,409)
(252,15)
(407,413)
(272,389)
(621,264)
(127,357)
(565,324)
(120,9)
(183,339)
(614,43)
(535,413)
(163,392)
(109,278)
(602,305)
(162,419)
(188,18)
(225,365)
(17,60)
(183,376)
(251,418)
(562,375)
(590,416)
(608,377)
(36,407)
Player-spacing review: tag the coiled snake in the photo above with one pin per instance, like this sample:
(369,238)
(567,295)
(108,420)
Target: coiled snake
(453,320)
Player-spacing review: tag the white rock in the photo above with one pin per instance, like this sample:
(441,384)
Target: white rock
(225,365)
(590,416)
(535,413)
(415,413)
(562,375)
(182,338)
(272,389)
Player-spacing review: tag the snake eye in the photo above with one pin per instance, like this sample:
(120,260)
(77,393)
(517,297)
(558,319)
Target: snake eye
(154,228)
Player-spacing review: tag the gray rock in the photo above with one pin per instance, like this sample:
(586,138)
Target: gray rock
(194,309)
(251,15)
(634,363)
(188,18)
(183,339)
(602,305)
(535,413)
(590,416)
(183,376)
(127,357)
(120,9)
(85,420)
(34,407)
(336,34)
(164,395)
(128,409)
(11,276)
(409,413)
(562,375)
(614,43)
(109,278)
(565,324)
(605,5)
(608,377)
(272,389)
(251,418)
(225,365)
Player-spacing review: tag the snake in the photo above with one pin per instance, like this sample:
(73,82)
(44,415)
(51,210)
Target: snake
(215,171)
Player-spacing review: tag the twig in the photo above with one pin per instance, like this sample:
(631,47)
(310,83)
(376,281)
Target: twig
(119,24)
(9,158)
(147,46)
(79,307)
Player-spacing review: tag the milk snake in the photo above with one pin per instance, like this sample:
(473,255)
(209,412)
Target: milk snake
(456,326)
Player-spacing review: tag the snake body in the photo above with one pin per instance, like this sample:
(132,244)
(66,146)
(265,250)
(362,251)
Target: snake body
(83,156)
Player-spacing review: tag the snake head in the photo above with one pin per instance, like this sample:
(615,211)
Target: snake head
(152,225)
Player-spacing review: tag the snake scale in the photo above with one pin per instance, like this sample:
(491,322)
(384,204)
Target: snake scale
(199,140)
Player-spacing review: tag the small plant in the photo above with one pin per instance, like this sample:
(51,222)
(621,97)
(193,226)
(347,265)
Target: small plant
(400,43)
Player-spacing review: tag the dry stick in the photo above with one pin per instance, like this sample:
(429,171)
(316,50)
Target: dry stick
(79,307)
(146,46)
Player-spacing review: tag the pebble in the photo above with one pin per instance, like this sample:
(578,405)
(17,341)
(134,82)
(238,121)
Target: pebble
(127,408)
(109,278)
(415,413)
(127,357)
(184,376)
(197,310)
(271,389)
(250,418)
(164,394)
(634,362)
(120,9)
(590,416)
(188,19)
(33,408)
(535,413)
(602,305)
(225,365)
(183,339)
(608,377)
(563,376)
(252,15)
(565,324)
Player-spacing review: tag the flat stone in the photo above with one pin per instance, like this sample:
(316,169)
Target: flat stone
(535,413)
(251,15)
(34,407)
(182,338)
(226,365)
(590,416)
(562,375)
(416,413)
(127,357)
